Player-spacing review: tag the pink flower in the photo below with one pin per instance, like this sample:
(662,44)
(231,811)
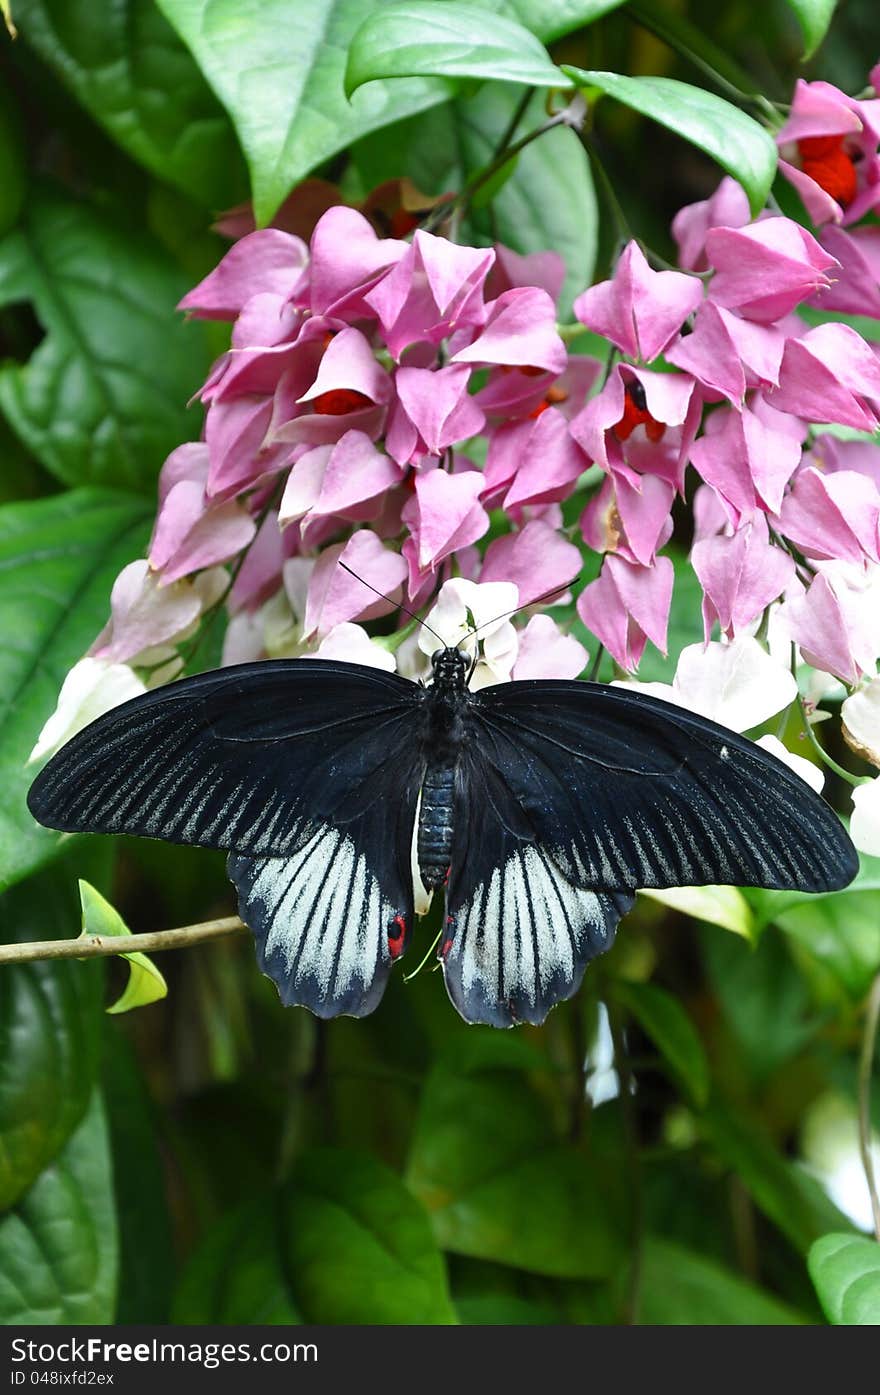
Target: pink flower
(267,261)
(335,596)
(144,614)
(545,652)
(740,576)
(335,480)
(443,516)
(834,516)
(627,605)
(632,519)
(830,374)
(766,269)
(520,332)
(539,458)
(433,410)
(830,147)
(641,422)
(347,261)
(349,393)
(523,392)
(191,533)
(830,624)
(746,460)
(727,208)
(639,310)
(434,288)
(537,559)
(510,269)
(727,354)
(856,287)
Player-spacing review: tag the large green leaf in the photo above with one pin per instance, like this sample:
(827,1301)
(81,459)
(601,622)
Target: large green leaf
(787,1194)
(846,1272)
(736,142)
(673,1033)
(682,1288)
(814,17)
(102,400)
(58,1247)
(548,200)
(278,68)
(342,1242)
(50,1023)
(125,64)
(430,38)
(58,560)
(498,1182)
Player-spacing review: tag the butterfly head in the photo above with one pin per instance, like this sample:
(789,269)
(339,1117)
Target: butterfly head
(451,669)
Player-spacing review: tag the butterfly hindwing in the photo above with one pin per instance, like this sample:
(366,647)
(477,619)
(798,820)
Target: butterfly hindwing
(519,933)
(629,791)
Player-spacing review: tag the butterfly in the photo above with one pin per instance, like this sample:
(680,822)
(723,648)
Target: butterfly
(538,807)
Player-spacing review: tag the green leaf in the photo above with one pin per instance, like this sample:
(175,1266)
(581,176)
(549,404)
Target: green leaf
(431,38)
(278,69)
(359,1246)
(716,905)
(102,400)
(682,1288)
(145,983)
(125,64)
(58,1247)
(667,1024)
(343,1242)
(792,1199)
(58,560)
(846,1272)
(736,142)
(499,1185)
(814,17)
(763,998)
(50,1018)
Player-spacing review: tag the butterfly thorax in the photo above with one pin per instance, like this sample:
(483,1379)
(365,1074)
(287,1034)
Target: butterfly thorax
(443,735)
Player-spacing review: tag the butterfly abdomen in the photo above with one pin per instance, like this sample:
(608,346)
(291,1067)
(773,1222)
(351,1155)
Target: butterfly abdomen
(435,824)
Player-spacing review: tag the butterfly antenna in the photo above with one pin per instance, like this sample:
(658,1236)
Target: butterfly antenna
(398,604)
(516,609)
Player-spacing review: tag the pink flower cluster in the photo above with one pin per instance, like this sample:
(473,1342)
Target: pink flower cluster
(381,397)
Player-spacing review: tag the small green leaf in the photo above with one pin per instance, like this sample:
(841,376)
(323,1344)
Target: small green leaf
(482,1152)
(846,1272)
(58,1247)
(102,400)
(673,1033)
(59,558)
(736,142)
(716,905)
(680,1287)
(814,17)
(432,38)
(99,918)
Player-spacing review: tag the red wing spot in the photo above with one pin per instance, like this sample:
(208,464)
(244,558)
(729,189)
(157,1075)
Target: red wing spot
(395,941)
(446,878)
(447,946)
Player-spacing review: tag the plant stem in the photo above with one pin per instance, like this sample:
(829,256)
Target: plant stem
(823,754)
(519,112)
(97,946)
(463,199)
(866,1062)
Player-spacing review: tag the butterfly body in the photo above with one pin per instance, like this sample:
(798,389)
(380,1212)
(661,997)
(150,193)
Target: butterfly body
(539,806)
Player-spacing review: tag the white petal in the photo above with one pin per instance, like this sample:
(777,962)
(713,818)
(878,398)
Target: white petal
(739,685)
(861,721)
(807,769)
(864,828)
(91,688)
(352,644)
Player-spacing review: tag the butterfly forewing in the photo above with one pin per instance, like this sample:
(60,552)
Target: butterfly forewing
(628,791)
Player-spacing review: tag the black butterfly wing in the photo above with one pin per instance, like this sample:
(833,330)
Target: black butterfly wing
(519,932)
(628,791)
(308,771)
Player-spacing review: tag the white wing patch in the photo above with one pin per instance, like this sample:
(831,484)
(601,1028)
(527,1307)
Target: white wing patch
(321,922)
(523,940)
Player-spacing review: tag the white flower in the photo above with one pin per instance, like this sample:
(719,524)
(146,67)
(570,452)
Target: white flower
(807,769)
(864,827)
(352,644)
(91,688)
(738,685)
(861,721)
(464,606)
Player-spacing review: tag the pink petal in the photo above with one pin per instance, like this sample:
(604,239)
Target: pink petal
(520,329)
(833,516)
(829,627)
(537,559)
(438,406)
(544,652)
(143,614)
(235,433)
(265,261)
(766,269)
(349,363)
(347,259)
(259,576)
(644,513)
(818,109)
(335,596)
(727,208)
(709,354)
(552,462)
(639,310)
(740,575)
(434,287)
(356,471)
(856,289)
(544,269)
(627,605)
(825,375)
(449,514)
